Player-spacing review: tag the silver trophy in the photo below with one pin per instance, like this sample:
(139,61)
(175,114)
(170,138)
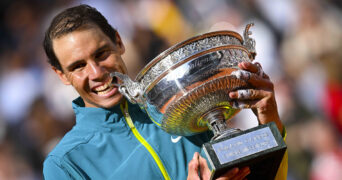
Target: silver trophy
(185,91)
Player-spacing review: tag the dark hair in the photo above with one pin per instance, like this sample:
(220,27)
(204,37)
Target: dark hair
(72,19)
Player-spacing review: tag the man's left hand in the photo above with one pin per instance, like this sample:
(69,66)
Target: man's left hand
(260,97)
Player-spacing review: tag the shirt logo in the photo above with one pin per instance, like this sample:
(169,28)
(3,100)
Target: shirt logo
(175,140)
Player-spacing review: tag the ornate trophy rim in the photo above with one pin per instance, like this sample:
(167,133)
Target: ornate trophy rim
(177,46)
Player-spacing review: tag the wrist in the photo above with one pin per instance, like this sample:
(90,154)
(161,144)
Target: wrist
(264,119)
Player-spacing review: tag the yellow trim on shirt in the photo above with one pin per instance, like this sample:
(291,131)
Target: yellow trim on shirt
(143,141)
(154,121)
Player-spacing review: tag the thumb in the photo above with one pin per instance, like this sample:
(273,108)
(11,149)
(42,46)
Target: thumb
(204,170)
(193,168)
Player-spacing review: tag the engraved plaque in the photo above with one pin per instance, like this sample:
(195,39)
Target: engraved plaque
(244,145)
(261,148)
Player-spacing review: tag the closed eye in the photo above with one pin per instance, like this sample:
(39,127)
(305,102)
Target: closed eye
(102,55)
(77,66)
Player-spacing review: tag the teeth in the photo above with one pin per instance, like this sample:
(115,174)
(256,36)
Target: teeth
(104,92)
(103,87)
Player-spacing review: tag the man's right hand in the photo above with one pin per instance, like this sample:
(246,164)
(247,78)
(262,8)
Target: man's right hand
(198,170)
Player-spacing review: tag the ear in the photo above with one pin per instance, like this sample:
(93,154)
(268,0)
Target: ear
(119,43)
(61,76)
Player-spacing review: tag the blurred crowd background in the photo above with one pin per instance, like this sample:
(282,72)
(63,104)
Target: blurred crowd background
(298,42)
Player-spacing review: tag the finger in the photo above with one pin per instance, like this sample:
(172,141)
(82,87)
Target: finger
(265,104)
(239,104)
(253,79)
(254,68)
(242,174)
(260,71)
(204,169)
(228,175)
(248,66)
(242,74)
(193,168)
(248,94)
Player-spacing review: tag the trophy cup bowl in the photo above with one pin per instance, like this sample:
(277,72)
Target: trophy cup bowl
(185,91)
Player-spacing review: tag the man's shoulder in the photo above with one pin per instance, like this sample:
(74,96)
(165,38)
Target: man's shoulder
(70,142)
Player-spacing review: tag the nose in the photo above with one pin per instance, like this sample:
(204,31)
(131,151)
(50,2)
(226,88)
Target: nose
(95,72)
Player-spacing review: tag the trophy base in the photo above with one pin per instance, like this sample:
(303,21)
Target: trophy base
(260,148)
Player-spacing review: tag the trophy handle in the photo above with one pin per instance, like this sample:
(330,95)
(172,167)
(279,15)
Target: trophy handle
(130,89)
(248,42)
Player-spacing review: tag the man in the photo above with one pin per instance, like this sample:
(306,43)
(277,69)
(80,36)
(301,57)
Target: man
(113,139)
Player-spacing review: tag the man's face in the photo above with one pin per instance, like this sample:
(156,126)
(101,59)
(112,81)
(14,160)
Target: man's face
(87,57)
